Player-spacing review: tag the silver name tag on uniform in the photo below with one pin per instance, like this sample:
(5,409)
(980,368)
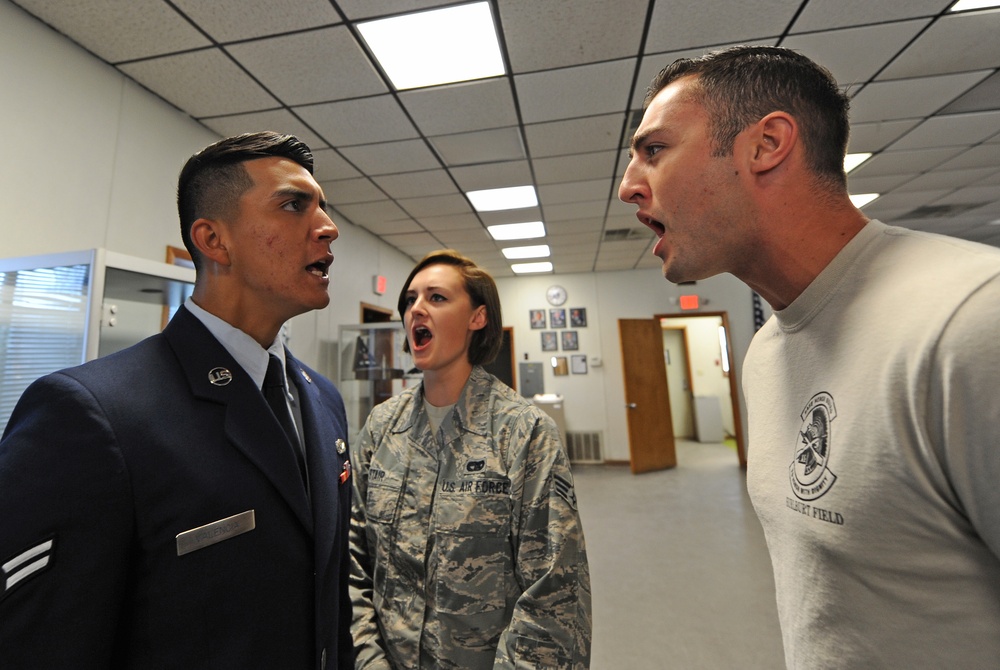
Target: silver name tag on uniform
(215,532)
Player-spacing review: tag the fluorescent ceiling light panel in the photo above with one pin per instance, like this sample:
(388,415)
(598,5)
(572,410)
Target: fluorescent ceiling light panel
(536,251)
(968,5)
(439,46)
(852,161)
(495,199)
(517,231)
(862,199)
(526,268)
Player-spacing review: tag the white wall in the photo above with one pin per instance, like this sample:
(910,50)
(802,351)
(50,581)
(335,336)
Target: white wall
(596,401)
(91,160)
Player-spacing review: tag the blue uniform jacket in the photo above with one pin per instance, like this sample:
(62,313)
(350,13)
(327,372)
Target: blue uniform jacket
(103,465)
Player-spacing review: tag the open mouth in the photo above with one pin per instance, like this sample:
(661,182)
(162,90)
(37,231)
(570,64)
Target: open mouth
(421,336)
(653,225)
(319,268)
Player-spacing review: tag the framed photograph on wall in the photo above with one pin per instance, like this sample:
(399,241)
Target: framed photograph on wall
(550,341)
(557,317)
(578,364)
(578,317)
(537,317)
(570,342)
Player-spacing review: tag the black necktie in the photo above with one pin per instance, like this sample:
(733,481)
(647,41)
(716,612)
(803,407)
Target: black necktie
(276,396)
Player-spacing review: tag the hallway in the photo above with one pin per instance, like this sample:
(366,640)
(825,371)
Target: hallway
(680,573)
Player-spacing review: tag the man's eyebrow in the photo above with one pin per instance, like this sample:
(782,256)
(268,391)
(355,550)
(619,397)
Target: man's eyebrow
(638,141)
(298,194)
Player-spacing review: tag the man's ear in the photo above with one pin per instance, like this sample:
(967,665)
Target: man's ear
(773,137)
(207,237)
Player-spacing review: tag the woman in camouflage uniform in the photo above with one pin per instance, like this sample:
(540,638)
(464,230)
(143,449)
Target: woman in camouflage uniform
(467,549)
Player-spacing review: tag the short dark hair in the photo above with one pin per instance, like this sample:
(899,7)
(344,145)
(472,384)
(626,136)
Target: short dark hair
(212,181)
(487,341)
(743,84)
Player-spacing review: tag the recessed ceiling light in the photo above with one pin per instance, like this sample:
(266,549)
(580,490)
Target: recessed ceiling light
(852,161)
(968,5)
(517,231)
(439,46)
(494,199)
(862,199)
(526,268)
(536,251)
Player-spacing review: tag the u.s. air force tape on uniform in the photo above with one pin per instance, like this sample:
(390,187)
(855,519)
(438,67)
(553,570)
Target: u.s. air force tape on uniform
(212,533)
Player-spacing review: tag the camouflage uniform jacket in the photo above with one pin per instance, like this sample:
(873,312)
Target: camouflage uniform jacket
(467,549)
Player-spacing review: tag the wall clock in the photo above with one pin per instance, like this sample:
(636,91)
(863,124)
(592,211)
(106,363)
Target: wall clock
(556,295)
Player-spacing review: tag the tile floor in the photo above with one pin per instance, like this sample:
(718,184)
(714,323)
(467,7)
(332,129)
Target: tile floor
(680,573)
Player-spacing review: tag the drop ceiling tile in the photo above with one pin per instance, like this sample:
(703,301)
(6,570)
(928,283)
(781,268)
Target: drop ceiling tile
(910,98)
(951,130)
(230,20)
(872,137)
(897,201)
(329,166)
(905,162)
(378,212)
(589,230)
(202,83)
(366,9)
(362,121)
(697,24)
(393,227)
(437,224)
(416,184)
(579,167)
(573,136)
(313,66)
(854,55)
(482,146)
(521,215)
(570,93)
(944,179)
(984,96)
(496,175)
(878,184)
(392,157)
(278,120)
(350,191)
(569,192)
(574,211)
(970,195)
(459,108)
(827,14)
(466,237)
(954,43)
(544,35)
(436,205)
(119,30)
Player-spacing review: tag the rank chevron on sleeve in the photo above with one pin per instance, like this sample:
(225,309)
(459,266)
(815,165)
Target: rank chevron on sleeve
(26,564)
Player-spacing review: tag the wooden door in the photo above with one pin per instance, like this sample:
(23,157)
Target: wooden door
(647,401)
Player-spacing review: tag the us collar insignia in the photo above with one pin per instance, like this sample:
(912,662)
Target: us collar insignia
(220,376)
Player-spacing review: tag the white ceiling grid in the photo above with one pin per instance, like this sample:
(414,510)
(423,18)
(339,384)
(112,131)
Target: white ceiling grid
(924,84)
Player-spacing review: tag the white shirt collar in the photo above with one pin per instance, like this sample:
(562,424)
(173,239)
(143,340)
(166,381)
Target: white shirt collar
(247,352)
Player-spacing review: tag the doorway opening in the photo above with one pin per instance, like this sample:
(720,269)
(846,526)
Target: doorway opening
(704,402)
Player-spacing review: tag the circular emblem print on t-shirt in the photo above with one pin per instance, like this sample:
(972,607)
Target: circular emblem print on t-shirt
(809,472)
